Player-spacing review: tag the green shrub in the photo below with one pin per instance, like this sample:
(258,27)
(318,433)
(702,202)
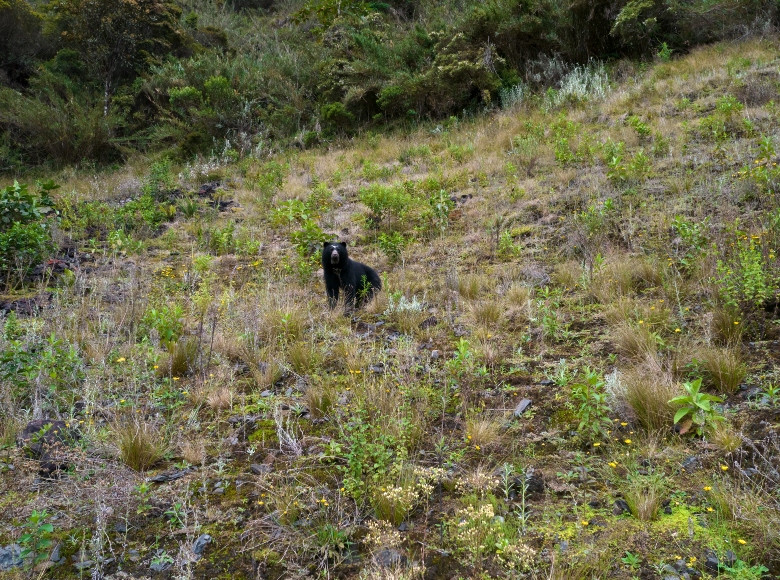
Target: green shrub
(25,237)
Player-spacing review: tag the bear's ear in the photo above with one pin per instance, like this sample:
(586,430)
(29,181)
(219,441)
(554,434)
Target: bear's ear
(325,244)
(344,244)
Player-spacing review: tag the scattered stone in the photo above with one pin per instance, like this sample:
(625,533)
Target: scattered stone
(134,555)
(11,557)
(521,407)
(546,382)
(404,527)
(46,441)
(690,463)
(120,527)
(711,562)
(389,558)
(26,306)
(621,507)
(200,544)
(377,368)
(84,565)
(56,553)
(729,558)
(267,394)
(429,322)
(534,485)
(170,476)
(260,469)
(435,354)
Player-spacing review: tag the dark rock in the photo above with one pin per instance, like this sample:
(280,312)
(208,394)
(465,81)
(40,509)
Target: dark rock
(208,189)
(377,368)
(729,558)
(521,407)
(533,482)
(200,544)
(621,507)
(429,322)
(594,503)
(389,558)
(120,527)
(27,306)
(711,562)
(56,553)
(47,441)
(435,354)
(690,463)
(546,382)
(11,557)
(84,564)
(668,510)
(403,527)
(260,469)
(267,394)
(171,475)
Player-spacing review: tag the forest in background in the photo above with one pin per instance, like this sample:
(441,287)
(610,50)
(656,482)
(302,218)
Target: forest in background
(94,81)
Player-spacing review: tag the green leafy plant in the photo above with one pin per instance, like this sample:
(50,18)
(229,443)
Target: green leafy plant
(590,405)
(25,238)
(696,410)
(392,245)
(36,538)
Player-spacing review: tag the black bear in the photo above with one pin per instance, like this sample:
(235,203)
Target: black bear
(358,281)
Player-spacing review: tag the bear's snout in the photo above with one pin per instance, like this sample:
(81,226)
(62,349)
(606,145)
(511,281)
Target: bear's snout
(334,256)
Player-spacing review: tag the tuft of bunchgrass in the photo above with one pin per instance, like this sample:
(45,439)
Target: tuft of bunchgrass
(484,430)
(193,451)
(724,436)
(647,388)
(726,326)
(141,445)
(220,398)
(635,341)
(644,494)
(320,399)
(723,367)
(304,357)
(469,286)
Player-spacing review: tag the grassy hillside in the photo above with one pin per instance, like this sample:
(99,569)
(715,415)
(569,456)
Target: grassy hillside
(571,371)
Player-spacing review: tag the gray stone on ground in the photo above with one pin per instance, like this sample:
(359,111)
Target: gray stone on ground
(200,544)
(521,407)
(11,557)
(389,558)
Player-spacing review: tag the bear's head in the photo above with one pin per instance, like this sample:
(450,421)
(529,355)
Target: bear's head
(334,254)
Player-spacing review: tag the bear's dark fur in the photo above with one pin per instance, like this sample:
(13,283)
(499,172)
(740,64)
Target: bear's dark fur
(358,281)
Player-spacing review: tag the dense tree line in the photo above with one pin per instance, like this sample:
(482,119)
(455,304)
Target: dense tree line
(96,79)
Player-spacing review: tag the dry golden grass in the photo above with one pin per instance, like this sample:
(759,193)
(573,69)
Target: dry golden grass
(567,274)
(725,326)
(725,437)
(140,444)
(320,398)
(644,494)
(487,313)
(220,397)
(484,430)
(304,357)
(647,388)
(469,286)
(724,367)
(635,341)
(193,451)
